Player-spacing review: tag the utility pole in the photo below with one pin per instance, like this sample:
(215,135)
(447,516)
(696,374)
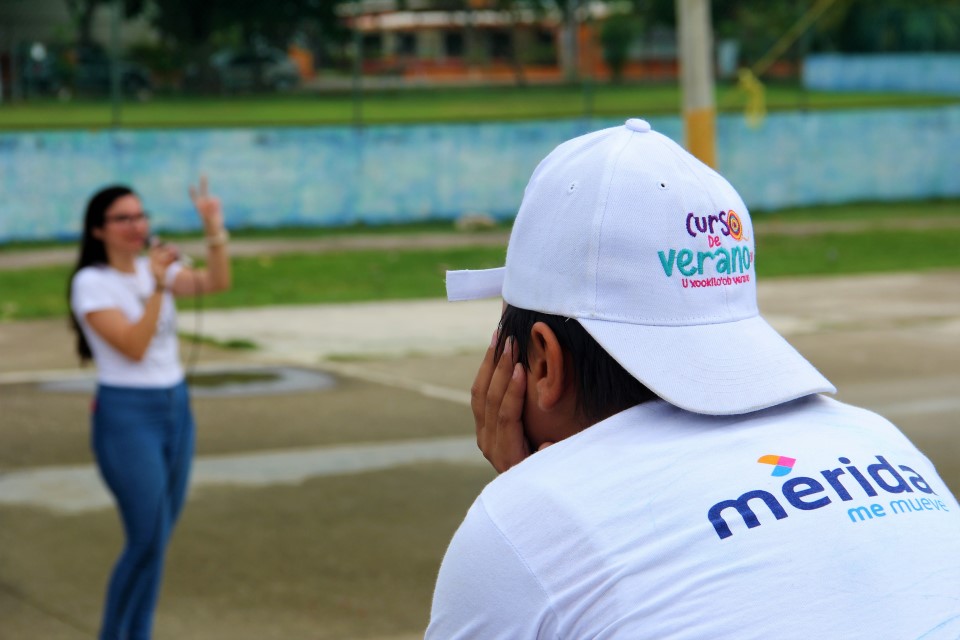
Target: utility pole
(2,44)
(115,96)
(571,34)
(16,87)
(696,79)
(356,84)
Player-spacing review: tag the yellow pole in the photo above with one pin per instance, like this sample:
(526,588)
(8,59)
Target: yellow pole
(696,79)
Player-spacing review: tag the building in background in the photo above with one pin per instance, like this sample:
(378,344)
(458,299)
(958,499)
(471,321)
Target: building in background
(479,43)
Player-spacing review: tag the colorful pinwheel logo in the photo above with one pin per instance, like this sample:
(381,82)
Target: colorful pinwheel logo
(734,225)
(782,465)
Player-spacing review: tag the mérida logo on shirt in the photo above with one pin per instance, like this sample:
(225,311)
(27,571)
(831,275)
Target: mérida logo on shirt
(889,485)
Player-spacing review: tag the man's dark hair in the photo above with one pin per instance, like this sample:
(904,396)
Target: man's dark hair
(603,386)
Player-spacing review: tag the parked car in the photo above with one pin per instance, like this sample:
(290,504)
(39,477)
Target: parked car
(65,71)
(254,69)
(37,70)
(92,74)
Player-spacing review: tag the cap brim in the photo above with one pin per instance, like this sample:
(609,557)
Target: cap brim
(475,284)
(716,369)
(726,368)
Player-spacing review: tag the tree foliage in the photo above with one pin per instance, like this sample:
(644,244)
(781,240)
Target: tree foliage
(617,36)
(195,26)
(192,23)
(82,11)
(896,25)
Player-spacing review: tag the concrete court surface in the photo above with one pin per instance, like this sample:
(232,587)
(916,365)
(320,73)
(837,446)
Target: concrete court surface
(347,552)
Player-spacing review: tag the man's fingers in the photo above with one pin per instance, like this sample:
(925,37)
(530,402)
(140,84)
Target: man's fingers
(478,392)
(497,398)
(491,407)
(511,441)
(498,385)
(511,408)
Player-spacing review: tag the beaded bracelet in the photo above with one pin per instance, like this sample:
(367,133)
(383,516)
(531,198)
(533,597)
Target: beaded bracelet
(218,239)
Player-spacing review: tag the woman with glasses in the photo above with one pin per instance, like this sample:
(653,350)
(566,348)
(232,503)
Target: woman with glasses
(122,302)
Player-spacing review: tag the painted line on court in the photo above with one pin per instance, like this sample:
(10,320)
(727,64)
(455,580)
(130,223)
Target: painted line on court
(48,375)
(423,388)
(936,404)
(76,489)
(90,374)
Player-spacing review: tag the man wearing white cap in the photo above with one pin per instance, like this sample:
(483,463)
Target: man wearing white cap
(696,485)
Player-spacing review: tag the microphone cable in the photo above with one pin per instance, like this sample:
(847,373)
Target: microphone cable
(194,354)
(186,262)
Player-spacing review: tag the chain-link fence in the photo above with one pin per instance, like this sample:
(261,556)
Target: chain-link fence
(135,51)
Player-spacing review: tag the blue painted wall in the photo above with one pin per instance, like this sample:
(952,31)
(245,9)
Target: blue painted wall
(896,72)
(338,175)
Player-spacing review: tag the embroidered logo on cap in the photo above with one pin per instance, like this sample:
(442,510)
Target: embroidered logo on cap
(725,223)
(735,226)
(731,266)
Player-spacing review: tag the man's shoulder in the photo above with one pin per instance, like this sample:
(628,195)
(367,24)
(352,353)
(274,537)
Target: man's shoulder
(646,432)
(656,426)
(826,410)
(578,461)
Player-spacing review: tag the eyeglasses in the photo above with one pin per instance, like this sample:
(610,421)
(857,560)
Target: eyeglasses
(128,218)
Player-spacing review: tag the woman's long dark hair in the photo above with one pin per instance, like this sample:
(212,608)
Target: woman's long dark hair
(92,250)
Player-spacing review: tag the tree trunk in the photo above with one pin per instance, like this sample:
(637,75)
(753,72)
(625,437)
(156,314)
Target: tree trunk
(516,59)
(82,13)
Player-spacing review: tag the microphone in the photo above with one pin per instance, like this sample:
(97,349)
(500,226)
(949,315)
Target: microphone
(154,241)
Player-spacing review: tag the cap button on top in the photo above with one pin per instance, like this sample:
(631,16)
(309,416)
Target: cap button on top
(638,125)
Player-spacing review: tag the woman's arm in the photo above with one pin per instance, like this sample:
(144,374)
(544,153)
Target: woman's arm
(216,276)
(129,338)
(133,338)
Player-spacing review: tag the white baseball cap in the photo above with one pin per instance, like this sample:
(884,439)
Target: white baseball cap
(652,251)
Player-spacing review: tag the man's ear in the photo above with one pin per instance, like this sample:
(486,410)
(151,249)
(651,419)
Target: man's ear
(548,366)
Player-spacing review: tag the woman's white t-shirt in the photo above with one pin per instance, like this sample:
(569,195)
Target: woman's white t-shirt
(100,287)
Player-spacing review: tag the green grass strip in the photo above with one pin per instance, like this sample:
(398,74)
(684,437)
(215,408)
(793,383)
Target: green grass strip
(878,213)
(427,106)
(301,232)
(871,214)
(357,276)
(875,251)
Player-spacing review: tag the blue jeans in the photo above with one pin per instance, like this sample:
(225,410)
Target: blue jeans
(143,440)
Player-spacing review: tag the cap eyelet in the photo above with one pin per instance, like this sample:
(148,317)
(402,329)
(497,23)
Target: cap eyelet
(663,186)
(573,187)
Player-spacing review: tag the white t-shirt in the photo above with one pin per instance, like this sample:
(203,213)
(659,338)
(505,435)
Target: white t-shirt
(100,287)
(811,520)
